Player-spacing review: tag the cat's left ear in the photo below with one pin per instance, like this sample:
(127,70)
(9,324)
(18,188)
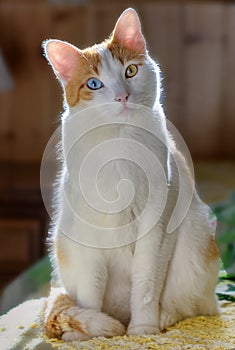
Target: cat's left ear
(127,32)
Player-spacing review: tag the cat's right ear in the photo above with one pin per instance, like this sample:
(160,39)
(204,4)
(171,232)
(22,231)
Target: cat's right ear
(63,57)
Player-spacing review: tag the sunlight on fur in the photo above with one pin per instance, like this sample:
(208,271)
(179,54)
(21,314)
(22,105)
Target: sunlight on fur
(135,287)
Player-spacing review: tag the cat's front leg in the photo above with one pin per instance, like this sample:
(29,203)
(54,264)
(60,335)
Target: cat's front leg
(81,317)
(152,254)
(64,318)
(91,278)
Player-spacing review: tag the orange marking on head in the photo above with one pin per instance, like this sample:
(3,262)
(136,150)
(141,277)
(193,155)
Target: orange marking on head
(93,58)
(123,54)
(76,90)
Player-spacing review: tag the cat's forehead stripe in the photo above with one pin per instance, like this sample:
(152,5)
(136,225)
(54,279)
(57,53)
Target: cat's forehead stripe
(122,53)
(93,57)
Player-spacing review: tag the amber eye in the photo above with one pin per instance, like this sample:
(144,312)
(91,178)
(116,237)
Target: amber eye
(131,71)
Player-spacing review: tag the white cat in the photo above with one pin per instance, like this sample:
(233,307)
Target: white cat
(121,271)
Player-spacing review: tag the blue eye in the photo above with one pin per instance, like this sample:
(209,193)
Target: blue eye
(94,84)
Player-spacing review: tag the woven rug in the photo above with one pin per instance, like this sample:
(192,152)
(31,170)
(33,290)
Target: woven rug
(21,329)
(217,332)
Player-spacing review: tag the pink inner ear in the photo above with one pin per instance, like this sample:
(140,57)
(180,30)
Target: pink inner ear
(63,57)
(128,31)
(134,42)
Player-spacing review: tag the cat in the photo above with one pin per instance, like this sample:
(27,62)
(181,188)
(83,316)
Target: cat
(135,283)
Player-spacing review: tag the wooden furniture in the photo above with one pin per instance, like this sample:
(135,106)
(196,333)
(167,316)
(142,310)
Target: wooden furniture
(20,246)
(23,219)
(194,42)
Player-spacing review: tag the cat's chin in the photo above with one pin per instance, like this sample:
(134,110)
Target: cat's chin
(125,109)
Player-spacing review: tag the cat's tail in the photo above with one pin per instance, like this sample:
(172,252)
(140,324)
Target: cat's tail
(64,319)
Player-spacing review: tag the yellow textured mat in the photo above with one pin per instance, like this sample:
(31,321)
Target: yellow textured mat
(217,332)
(22,329)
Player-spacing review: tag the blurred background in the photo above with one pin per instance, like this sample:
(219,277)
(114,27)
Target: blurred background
(194,43)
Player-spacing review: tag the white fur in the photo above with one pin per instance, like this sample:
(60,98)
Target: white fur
(160,278)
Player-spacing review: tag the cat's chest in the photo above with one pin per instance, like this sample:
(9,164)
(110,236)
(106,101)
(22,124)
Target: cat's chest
(106,171)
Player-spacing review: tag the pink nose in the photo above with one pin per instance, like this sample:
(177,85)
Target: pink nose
(122,98)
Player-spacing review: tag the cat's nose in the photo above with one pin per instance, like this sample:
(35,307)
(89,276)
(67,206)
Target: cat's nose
(122,97)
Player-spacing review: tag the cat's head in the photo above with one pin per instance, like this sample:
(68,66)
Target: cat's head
(119,70)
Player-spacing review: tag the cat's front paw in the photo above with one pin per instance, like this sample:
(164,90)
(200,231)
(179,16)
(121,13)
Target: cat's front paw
(142,330)
(168,319)
(74,335)
(84,324)
(104,326)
